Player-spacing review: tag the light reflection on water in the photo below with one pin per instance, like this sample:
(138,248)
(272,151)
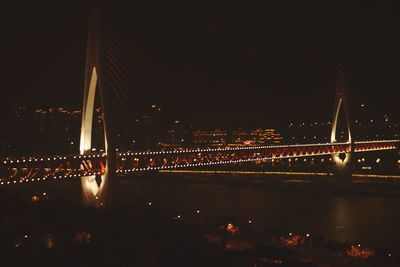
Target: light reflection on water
(340,219)
(371,220)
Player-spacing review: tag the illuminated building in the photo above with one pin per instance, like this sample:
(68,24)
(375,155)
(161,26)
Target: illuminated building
(214,137)
(256,137)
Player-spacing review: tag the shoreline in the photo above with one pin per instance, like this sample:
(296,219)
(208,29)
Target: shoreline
(324,174)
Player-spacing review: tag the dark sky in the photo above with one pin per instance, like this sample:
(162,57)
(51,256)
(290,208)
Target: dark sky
(270,62)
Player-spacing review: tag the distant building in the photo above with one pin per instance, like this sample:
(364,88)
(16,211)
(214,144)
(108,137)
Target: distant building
(209,138)
(256,137)
(176,136)
(236,137)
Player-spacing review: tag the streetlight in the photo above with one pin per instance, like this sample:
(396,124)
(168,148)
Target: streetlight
(390,255)
(200,217)
(72,146)
(311,252)
(251,228)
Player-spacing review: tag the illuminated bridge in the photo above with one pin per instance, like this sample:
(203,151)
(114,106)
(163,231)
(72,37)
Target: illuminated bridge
(34,169)
(97,170)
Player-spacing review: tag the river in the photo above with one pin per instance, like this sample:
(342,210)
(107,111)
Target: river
(369,219)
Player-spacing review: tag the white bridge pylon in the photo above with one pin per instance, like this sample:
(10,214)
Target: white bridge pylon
(94,194)
(91,191)
(342,165)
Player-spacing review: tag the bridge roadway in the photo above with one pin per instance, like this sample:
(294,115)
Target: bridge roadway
(35,169)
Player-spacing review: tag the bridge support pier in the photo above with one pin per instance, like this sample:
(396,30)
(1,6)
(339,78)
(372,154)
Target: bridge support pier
(342,169)
(342,163)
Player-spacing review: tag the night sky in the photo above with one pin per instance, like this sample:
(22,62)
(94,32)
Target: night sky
(270,62)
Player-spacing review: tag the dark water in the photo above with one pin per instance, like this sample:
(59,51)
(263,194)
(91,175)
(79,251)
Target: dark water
(367,219)
(370,220)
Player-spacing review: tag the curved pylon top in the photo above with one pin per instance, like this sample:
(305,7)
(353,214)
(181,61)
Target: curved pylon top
(340,100)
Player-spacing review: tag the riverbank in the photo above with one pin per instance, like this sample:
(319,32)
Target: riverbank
(362,184)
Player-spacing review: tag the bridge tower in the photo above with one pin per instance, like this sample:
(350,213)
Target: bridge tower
(342,162)
(94,191)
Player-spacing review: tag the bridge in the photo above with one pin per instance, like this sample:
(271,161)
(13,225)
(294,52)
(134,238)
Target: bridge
(33,169)
(97,170)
